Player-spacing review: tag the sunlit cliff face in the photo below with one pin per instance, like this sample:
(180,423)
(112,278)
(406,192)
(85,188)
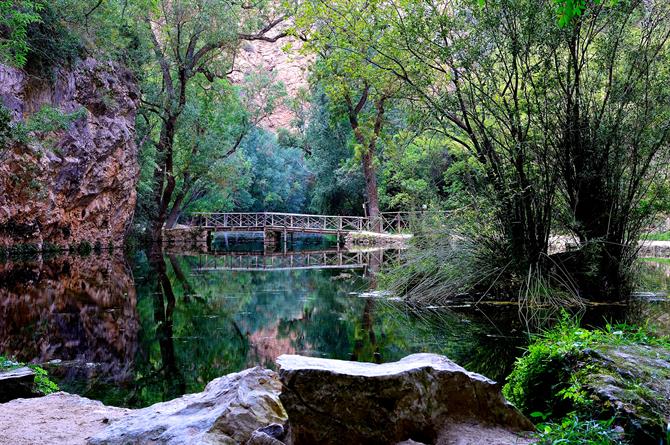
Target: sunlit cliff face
(79,309)
(281,62)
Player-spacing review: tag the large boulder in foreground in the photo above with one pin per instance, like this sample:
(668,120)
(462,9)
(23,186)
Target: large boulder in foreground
(228,411)
(417,398)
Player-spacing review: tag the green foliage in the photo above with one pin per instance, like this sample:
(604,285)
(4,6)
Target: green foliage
(573,431)
(15,18)
(38,127)
(5,129)
(43,384)
(53,41)
(664,236)
(570,10)
(338,180)
(278,176)
(451,255)
(545,361)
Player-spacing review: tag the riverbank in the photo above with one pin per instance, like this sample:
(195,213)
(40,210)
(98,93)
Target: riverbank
(607,386)
(618,376)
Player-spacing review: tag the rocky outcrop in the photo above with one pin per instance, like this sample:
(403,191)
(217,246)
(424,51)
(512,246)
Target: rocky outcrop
(632,384)
(417,398)
(627,382)
(17,383)
(283,62)
(228,411)
(195,238)
(66,186)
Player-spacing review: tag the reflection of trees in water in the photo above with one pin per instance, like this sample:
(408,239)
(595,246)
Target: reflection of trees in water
(187,339)
(164,303)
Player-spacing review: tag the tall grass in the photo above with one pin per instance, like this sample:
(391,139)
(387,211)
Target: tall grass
(464,255)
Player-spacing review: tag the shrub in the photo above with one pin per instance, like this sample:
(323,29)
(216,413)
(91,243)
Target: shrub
(552,357)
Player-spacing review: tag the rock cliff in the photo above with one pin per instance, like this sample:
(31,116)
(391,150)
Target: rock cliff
(285,64)
(65,186)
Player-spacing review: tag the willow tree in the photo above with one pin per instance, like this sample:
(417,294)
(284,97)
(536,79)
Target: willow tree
(569,123)
(189,39)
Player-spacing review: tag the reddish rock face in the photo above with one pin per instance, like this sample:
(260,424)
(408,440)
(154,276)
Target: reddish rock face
(283,62)
(76,309)
(77,184)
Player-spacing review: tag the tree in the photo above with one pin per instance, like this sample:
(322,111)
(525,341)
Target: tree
(15,18)
(339,185)
(356,89)
(211,129)
(571,117)
(189,40)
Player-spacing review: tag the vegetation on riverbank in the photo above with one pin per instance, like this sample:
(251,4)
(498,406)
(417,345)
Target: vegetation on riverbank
(43,384)
(619,374)
(663,236)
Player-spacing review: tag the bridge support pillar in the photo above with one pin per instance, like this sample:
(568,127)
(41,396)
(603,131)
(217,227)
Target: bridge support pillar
(271,240)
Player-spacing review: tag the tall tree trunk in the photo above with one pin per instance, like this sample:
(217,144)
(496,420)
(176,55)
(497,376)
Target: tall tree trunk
(175,212)
(164,177)
(370,174)
(370,146)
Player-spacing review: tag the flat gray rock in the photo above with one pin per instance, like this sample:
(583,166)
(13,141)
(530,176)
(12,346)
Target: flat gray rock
(335,401)
(17,383)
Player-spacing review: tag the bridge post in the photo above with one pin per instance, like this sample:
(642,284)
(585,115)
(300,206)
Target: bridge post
(271,239)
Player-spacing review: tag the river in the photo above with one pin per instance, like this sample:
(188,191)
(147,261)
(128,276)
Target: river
(136,329)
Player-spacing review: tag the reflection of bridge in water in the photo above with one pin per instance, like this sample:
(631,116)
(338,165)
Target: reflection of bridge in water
(295,260)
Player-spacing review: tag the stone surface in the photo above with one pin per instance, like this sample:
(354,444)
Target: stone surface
(78,184)
(58,418)
(16,383)
(632,384)
(272,434)
(228,411)
(334,402)
(282,62)
(186,236)
(388,240)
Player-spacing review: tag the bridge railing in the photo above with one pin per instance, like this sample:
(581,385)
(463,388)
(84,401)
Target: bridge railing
(387,222)
(278,220)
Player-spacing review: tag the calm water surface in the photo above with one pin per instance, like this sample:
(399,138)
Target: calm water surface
(132,331)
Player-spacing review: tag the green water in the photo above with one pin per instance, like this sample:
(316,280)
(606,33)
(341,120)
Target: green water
(132,331)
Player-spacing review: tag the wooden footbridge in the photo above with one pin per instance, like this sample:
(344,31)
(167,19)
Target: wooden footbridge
(276,226)
(293,222)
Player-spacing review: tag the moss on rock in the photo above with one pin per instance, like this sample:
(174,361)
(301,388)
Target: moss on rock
(620,372)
